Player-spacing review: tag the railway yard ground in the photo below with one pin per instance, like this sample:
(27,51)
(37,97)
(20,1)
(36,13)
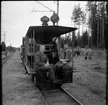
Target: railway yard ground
(4,55)
(89,82)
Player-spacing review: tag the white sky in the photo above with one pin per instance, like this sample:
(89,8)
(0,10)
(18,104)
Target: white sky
(17,16)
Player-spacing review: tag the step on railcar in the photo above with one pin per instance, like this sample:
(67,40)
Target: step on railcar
(46,35)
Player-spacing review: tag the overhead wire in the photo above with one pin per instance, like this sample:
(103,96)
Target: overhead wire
(45,6)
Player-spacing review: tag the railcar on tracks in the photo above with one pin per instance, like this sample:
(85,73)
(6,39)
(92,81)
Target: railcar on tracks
(47,36)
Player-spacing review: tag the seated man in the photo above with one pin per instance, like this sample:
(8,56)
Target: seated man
(57,64)
(41,62)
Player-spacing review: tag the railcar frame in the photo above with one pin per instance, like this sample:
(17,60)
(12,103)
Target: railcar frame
(35,36)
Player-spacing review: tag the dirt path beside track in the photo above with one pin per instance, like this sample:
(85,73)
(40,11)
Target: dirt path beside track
(17,87)
(89,84)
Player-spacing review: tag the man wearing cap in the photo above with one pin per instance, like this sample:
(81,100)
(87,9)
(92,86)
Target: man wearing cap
(42,63)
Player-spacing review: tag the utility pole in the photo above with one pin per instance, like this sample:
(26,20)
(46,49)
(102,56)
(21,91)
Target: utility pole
(4,36)
(57,10)
(5,45)
(59,41)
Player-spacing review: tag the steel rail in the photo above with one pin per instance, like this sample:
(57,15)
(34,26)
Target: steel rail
(5,59)
(63,90)
(80,67)
(71,96)
(43,97)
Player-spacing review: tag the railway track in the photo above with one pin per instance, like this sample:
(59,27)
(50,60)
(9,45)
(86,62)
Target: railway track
(6,58)
(58,97)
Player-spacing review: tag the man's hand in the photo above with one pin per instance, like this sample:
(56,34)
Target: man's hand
(47,64)
(65,60)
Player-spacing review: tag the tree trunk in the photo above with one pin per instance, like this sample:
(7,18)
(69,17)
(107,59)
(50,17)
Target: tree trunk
(97,32)
(101,25)
(79,36)
(103,33)
(103,9)
(97,27)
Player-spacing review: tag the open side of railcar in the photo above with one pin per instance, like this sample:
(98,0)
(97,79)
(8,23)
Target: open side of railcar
(46,35)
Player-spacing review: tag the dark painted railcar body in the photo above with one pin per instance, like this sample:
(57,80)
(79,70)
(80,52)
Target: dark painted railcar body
(46,35)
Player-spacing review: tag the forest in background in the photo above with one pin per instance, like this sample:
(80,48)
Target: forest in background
(95,17)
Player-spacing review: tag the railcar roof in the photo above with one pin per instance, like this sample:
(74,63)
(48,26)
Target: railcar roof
(48,32)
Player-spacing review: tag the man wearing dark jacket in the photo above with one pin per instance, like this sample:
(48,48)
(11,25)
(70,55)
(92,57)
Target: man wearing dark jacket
(41,62)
